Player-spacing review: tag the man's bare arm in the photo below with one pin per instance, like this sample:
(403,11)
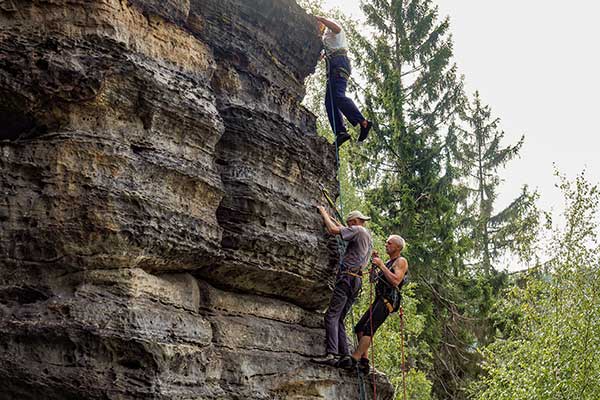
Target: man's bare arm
(330,24)
(333,227)
(400,268)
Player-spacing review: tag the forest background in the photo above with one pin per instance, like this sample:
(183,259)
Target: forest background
(431,171)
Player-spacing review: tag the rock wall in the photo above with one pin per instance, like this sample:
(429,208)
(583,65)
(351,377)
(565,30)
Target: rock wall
(158,237)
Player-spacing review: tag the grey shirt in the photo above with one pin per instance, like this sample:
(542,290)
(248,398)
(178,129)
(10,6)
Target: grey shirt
(359,247)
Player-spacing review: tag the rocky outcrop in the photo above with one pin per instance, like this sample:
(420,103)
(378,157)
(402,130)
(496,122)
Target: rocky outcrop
(158,237)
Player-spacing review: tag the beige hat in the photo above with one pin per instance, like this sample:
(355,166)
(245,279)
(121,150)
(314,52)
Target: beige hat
(357,214)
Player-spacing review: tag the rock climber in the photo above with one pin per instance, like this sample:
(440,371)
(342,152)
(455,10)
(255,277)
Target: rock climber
(389,279)
(338,73)
(347,283)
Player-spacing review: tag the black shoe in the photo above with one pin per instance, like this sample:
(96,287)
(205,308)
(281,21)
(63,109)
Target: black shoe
(364,131)
(347,362)
(329,359)
(342,138)
(363,366)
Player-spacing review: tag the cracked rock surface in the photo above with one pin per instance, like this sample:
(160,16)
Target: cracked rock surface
(158,176)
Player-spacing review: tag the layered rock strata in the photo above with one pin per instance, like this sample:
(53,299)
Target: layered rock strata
(158,237)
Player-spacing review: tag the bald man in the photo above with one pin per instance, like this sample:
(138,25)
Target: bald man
(389,279)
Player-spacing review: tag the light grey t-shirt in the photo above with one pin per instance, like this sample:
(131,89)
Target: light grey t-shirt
(359,247)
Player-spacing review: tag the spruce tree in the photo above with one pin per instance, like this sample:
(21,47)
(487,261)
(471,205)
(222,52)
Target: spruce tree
(478,151)
(412,92)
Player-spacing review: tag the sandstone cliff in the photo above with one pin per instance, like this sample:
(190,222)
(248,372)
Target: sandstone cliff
(158,238)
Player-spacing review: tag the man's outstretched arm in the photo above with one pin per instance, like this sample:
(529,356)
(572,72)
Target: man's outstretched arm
(330,24)
(333,227)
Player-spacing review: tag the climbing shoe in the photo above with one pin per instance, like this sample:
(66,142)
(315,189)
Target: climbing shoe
(342,138)
(364,131)
(363,366)
(329,359)
(347,362)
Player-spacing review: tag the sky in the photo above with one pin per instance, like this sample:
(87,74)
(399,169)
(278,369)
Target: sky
(537,65)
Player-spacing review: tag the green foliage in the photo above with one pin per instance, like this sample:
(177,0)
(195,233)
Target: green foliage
(477,151)
(405,176)
(418,386)
(388,340)
(387,348)
(552,349)
(314,7)
(413,91)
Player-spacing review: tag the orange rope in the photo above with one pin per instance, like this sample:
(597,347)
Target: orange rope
(401,314)
(372,337)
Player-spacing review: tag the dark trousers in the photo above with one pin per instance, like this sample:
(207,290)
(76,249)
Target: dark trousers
(373,318)
(344,294)
(336,102)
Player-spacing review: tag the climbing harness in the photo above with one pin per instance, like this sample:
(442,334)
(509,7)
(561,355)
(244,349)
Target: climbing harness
(376,278)
(336,52)
(355,275)
(390,294)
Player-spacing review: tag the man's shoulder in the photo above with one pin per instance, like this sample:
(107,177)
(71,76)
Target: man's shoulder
(401,262)
(361,230)
(355,232)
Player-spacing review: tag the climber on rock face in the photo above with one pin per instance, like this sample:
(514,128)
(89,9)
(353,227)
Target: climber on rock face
(338,73)
(389,279)
(347,283)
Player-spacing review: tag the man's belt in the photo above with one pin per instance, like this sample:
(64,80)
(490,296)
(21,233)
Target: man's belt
(336,52)
(355,272)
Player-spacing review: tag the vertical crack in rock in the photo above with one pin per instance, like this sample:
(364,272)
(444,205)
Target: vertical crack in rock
(158,176)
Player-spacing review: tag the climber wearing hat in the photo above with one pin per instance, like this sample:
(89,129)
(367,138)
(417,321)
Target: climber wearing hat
(347,283)
(338,73)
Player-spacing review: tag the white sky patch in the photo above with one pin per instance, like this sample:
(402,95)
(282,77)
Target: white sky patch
(537,64)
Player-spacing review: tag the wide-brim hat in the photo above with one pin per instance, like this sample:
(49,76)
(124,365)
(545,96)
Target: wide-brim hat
(357,215)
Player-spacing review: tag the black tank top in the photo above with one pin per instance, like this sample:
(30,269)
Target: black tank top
(385,289)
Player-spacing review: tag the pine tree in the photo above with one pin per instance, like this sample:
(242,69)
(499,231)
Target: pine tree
(477,149)
(412,90)
(389,339)
(412,93)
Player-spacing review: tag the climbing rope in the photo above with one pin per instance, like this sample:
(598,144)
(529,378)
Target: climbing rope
(332,204)
(341,244)
(401,315)
(337,147)
(362,390)
(362,393)
(371,331)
